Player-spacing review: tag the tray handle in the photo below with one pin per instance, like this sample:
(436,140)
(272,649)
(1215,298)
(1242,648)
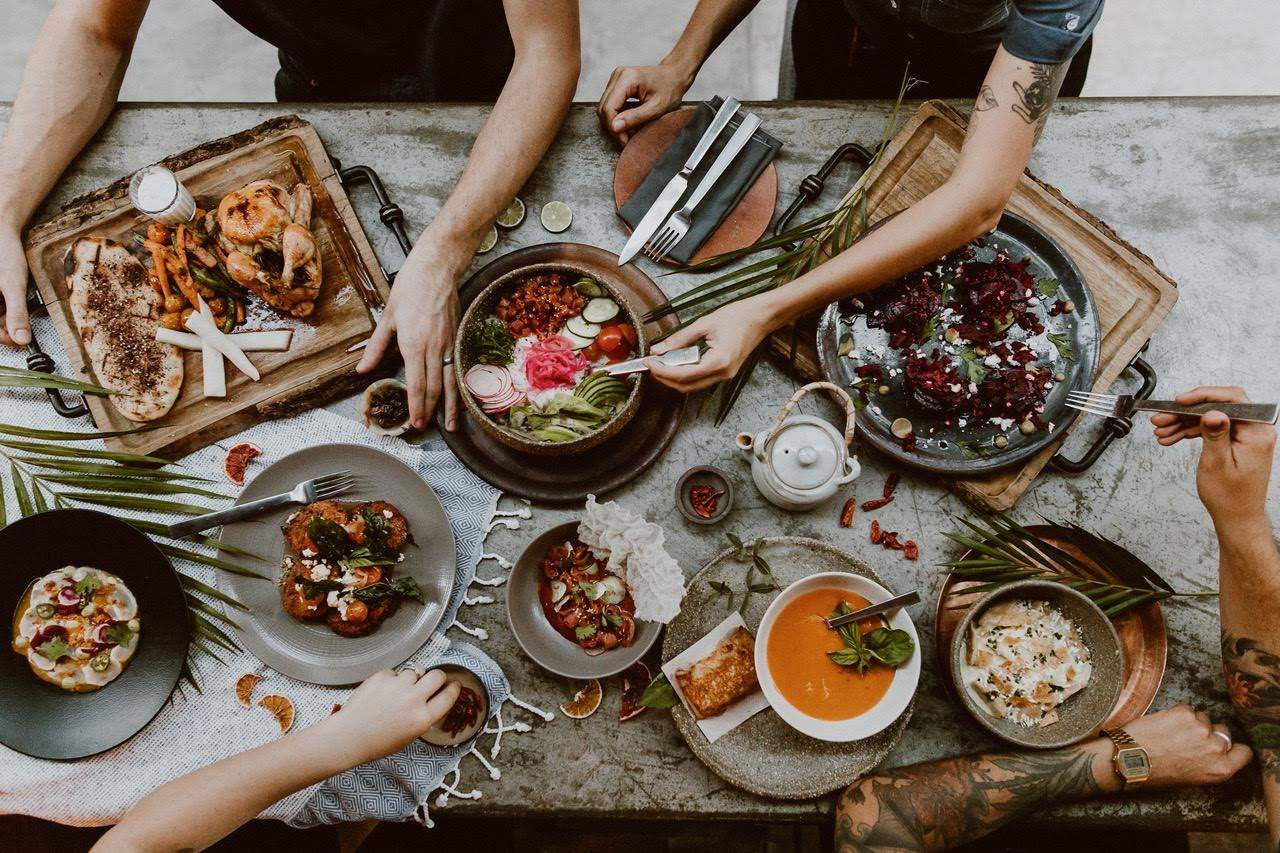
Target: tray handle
(812,185)
(1113,428)
(38,359)
(388,211)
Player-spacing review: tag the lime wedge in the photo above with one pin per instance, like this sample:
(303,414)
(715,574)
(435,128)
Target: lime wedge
(513,215)
(556,216)
(489,241)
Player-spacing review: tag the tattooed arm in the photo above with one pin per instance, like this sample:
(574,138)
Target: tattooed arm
(1232,477)
(1008,115)
(939,805)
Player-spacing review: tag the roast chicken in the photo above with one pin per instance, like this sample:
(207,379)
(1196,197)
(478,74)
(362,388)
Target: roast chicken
(265,232)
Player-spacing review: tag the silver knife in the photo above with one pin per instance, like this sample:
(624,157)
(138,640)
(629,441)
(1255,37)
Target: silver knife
(894,603)
(675,358)
(666,200)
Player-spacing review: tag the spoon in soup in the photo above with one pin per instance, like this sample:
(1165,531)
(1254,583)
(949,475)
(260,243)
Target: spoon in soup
(885,606)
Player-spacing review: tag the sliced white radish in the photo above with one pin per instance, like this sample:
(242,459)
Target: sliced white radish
(486,381)
(270,340)
(213,371)
(612,590)
(209,333)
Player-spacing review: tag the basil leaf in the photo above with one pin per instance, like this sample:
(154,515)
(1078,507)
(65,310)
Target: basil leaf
(851,657)
(329,538)
(377,534)
(403,587)
(310,589)
(659,694)
(891,646)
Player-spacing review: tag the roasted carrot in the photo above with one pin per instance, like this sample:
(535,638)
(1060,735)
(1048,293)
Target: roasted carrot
(239,312)
(183,276)
(162,274)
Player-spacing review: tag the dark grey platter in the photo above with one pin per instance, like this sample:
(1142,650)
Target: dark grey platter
(941,452)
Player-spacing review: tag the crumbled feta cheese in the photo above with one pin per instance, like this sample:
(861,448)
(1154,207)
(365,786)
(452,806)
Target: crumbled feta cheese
(320,572)
(992,360)
(332,598)
(955,387)
(290,519)
(386,513)
(399,558)
(307,552)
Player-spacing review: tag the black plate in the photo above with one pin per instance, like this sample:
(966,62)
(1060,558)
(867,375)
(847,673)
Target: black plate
(1019,238)
(613,463)
(44,721)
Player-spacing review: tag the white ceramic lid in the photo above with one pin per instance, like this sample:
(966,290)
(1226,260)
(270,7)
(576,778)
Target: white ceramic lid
(804,454)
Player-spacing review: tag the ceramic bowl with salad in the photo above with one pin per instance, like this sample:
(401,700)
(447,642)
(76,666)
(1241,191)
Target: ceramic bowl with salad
(530,354)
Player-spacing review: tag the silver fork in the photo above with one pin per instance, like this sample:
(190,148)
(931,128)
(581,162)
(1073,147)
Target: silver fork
(678,225)
(308,491)
(1124,405)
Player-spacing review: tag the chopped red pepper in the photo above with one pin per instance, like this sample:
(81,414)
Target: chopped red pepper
(911,550)
(891,484)
(846,514)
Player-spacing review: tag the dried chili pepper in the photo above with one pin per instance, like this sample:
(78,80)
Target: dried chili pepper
(890,540)
(891,484)
(704,500)
(876,535)
(463,713)
(846,514)
(876,503)
(911,550)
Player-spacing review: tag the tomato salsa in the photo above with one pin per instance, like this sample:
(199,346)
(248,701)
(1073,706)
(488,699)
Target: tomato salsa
(583,601)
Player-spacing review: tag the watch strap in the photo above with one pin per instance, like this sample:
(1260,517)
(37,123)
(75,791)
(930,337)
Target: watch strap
(1120,737)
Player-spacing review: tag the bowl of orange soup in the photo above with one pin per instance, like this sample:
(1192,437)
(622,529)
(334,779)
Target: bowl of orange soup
(811,692)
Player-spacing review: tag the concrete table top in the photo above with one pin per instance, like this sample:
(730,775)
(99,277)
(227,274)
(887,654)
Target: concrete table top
(1194,183)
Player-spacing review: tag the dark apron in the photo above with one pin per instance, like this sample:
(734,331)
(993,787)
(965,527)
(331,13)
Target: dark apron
(843,56)
(383,50)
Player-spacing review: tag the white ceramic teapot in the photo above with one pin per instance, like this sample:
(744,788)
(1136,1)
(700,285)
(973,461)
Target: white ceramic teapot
(801,461)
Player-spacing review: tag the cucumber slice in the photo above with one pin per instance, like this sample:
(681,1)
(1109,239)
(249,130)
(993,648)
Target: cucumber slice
(579,342)
(600,310)
(612,589)
(589,287)
(582,328)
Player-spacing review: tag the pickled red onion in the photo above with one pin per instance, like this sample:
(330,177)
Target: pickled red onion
(553,363)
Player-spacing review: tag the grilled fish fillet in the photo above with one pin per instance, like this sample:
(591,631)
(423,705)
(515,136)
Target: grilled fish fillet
(115,310)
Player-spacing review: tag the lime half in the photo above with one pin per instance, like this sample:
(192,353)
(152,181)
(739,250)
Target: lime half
(489,241)
(513,215)
(556,216)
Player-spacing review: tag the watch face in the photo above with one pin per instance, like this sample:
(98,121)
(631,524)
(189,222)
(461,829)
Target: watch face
(1133,762)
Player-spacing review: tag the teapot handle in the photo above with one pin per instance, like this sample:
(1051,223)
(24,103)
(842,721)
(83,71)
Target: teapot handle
(839,393)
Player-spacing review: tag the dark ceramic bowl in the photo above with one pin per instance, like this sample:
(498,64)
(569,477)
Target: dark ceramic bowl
(482,306)
(1083,714)
(704,475)
(540,641)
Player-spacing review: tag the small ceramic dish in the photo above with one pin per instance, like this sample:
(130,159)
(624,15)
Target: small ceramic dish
(541,642)
(704,475)
(1083,714)
(385,407)
(482,307)
(902,689)
(471,727)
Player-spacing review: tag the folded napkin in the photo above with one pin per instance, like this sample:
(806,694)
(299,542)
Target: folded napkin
(724,195)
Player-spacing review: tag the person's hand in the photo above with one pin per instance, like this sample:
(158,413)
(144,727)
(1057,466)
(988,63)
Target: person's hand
(1235,461)
(1183,749)
(16,330)
(389,710)
(730,332)
(658,88)
(422,314)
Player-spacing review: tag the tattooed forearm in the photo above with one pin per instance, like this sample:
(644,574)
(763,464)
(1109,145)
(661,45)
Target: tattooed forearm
(1034,99)
(986,99)
(940,805)
(1253,680)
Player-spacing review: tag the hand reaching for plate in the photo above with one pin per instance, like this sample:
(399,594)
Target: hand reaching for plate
(658,88)
(390,709)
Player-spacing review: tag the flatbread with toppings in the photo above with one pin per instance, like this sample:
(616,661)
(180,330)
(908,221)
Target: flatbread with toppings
(116,311)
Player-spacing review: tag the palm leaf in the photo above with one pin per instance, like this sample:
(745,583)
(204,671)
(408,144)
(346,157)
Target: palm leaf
(110,470)
(63,435)
(214,562)
(131,502)
(42,380)
(202,587)
(20,492)
(157,529)
(82,453)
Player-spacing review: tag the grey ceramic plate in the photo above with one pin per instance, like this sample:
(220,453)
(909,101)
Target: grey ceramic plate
(540,641)
(764,755)
(941,452)
(1084,713)
(310,651)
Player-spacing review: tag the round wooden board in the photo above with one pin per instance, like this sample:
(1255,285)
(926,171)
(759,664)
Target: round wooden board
(1142,636)
(744,225)
(764,755)
(613,463)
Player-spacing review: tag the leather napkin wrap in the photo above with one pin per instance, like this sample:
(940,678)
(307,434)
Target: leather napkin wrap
(726,193)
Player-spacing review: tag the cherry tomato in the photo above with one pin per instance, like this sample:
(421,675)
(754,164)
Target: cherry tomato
(357,611)
(629,333)
(591,352)
(610,341)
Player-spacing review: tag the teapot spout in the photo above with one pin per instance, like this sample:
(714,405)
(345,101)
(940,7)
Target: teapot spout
(746,442)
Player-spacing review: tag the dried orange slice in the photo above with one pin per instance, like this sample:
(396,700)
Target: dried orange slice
(238,459)
(634,681)
(281,707)
(244,687)
(585,701)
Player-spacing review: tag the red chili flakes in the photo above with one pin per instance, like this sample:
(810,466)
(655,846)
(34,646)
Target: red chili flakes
(846,514)
(876,534)
(876,503)
(891,484)
(704,500)
(463,714)
(911,550)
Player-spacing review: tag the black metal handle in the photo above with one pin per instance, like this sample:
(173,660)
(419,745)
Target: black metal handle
(812,185)
(1113,428)
(388,211)
(38,359)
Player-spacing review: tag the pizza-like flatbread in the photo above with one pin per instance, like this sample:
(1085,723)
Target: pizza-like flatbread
(116,309)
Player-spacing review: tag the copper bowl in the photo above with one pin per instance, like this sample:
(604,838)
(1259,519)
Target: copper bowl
(482,306)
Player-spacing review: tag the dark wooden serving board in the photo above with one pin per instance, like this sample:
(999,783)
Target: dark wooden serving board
(315,368)
(1132,296)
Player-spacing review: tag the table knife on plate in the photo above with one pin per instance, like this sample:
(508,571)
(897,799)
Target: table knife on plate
(666,200)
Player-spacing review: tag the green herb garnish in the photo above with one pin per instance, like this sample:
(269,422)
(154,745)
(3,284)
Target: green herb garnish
(54,649)
(401,587)
(492,342)
(1047,288)
(329,538)
(583,632)
(117,635)
(87,585)
(659,694)
(891,647)
(1059,340)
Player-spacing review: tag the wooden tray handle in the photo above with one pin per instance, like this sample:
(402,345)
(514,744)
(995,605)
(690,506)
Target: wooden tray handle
(842,397)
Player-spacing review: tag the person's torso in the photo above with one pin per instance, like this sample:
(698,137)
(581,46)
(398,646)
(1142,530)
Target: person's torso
(952,16)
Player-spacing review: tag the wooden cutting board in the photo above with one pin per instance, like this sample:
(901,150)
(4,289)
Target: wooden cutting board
(1133,297)
(316,366)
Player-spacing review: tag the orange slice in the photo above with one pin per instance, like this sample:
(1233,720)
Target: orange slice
(585,701)
(238,459)
(281,707)
(244,688)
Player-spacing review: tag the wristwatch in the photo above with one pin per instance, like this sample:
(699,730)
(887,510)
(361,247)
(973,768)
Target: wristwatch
(1131,762)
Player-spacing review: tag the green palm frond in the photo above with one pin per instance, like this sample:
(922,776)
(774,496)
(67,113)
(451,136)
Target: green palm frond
(1003,551)
(16,377)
